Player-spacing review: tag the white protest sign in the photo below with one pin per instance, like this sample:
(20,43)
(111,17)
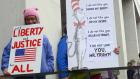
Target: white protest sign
(91,34)
(26,49)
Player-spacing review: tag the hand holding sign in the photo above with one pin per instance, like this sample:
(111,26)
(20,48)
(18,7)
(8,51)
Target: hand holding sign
(117,50)
(6,72)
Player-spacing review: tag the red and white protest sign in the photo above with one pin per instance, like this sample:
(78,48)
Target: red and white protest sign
(26,49)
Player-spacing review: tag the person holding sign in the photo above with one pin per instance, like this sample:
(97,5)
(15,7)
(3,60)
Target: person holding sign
(62,61)
(47,65)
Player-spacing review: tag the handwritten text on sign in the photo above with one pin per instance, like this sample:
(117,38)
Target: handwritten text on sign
(26,49)
(26,42)
(96,38)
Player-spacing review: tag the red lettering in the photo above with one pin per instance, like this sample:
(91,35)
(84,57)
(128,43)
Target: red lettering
(29,70)
(22,44)
(15,45)
(19,32)
(33,43)
(40,30)
(39,42)
(27,31)
(18,44)
(27,41)
(14,33)
(32,31)
(30,43)
(21,69)
(15,69)
(22,32)
(36,30)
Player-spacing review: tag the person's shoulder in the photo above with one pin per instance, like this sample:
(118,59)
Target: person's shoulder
(45,38)
(63,38)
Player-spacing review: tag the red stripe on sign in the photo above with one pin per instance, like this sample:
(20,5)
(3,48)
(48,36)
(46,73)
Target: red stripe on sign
(29,55)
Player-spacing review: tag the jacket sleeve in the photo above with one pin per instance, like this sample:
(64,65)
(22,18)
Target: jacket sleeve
(5,56)
(62,61)
(49,56)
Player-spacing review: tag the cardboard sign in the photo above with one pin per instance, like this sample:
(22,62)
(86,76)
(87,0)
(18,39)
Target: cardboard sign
(26,49)
(91,34)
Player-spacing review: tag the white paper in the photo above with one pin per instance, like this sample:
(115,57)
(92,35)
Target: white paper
(94,40)
(31,62)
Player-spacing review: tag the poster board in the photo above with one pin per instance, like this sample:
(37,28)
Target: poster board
(26,49)
(91,34)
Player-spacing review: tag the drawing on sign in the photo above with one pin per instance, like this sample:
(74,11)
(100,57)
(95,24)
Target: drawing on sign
(91,34)
(79,37)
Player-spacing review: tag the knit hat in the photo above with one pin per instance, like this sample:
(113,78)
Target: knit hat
(31,12)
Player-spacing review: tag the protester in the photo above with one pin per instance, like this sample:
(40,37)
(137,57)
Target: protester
(62,58)
(31,16)
(62,62)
